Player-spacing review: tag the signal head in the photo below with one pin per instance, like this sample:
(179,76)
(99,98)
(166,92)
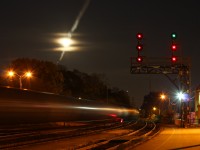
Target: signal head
(173,36)
(173,59)
(139,59)
(173,47)
(139,36)
(139,47)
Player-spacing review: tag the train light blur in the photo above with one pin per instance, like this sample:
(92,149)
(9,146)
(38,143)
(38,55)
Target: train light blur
(113,115)
(101,108)
(39,107)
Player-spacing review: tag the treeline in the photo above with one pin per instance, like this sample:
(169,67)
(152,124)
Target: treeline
(50,77)
(162,107)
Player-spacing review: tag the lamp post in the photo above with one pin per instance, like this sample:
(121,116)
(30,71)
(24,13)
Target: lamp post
(169,108)
(180,96)
(154,109)
(27,74)
(164,97)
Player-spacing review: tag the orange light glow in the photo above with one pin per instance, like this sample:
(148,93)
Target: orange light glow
(10,73)
(162,96)
(28,74)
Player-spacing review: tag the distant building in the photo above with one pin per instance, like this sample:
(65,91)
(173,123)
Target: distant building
(197,102)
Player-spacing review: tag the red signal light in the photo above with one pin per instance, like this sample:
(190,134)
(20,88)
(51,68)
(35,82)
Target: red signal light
(174,47)
(174,59)
(139,47)
(139,59)
(139,36)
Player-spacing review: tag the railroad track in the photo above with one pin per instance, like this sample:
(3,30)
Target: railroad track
(13,138)
(140,132)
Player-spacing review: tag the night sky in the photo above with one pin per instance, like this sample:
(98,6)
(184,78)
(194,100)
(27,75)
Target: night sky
(106,36)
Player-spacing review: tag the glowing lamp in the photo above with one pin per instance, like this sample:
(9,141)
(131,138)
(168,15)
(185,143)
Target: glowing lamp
(173,35)
(174,59)
(139,36)
(139,59)
(139,47)
(174,47)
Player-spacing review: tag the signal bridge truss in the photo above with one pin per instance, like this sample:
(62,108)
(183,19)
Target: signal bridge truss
(181,68)
(155,65)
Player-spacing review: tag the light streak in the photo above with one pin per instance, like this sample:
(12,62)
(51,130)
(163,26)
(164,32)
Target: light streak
(75,25)
(49,105)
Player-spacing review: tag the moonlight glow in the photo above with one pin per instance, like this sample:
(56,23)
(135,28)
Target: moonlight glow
(65,44)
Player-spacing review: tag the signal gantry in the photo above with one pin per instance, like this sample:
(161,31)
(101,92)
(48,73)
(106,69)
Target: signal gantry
(168,66)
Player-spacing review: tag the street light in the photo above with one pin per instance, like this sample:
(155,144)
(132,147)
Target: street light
(163,96)
(27,74)
(10,73)
(169,109)
(181,96)
(154,109)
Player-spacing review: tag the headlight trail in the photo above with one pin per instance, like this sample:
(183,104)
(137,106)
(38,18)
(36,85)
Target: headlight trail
(75,25)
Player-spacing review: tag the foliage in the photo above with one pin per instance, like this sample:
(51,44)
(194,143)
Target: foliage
(120,97)
(151,100)
(50,77)
(46,75)
(93,87)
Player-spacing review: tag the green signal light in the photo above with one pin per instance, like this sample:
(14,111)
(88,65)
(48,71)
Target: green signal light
(173,35)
